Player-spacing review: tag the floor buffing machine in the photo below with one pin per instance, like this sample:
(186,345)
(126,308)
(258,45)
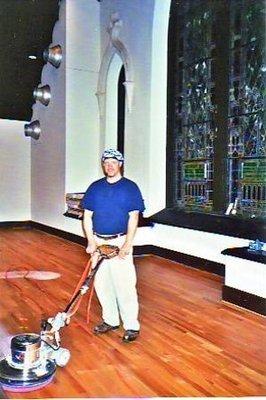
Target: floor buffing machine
(33,358)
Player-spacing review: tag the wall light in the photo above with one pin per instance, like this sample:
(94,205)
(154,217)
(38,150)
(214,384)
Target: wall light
(33,129)
(53,55)
(42,94)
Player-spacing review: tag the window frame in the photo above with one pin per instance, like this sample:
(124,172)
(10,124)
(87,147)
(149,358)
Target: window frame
(216,221)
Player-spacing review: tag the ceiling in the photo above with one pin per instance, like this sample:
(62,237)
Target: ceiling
(26,28)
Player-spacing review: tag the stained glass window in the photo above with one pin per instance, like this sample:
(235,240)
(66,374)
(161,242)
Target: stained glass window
(198,117)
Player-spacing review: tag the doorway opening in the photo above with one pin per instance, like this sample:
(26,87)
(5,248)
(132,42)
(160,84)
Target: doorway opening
(121,100)
(115,105)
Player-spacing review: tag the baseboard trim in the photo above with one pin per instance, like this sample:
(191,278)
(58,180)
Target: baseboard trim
(45,228)
(16,224)
(245,300)
(58,232)
(191,261)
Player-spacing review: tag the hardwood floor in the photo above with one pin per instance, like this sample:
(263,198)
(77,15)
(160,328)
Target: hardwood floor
(191,344)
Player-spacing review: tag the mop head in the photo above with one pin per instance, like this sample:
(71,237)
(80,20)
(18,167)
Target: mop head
(24,273)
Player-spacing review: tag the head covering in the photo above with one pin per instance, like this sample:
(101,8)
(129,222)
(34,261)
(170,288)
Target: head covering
(111,153)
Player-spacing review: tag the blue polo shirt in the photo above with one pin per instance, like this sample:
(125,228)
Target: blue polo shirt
(111,203)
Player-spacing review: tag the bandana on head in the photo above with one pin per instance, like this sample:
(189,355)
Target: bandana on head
(111,153)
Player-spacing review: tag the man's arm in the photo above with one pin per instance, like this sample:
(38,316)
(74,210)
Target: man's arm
(87,224)
(131,231)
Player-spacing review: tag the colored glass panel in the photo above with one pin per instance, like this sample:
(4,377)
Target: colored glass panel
(246,119)
(194,115)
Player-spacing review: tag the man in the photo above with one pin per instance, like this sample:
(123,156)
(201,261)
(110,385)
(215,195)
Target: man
(112,206)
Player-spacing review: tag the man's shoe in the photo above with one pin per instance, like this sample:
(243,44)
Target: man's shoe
(130,335)
(103,328)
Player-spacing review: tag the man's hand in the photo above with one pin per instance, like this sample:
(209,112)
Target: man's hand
(131,230)
(124,250)
(94,259)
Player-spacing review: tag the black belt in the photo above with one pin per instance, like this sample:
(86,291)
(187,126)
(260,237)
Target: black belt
(109,237)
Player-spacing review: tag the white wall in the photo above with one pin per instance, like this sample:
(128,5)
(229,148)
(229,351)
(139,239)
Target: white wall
(82,116)
(245,275)
(66,157)
(48,153)
(15,182)
(156,162)
(75,141)
(194,242)
(144,34)
(136,35)
(87,39)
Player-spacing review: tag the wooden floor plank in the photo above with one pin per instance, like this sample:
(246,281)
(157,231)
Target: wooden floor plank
(191,343)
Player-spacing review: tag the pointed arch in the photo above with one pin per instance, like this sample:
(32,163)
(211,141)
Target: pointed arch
(115,46)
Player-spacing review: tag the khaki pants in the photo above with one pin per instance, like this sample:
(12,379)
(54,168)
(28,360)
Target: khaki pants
(115,285)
